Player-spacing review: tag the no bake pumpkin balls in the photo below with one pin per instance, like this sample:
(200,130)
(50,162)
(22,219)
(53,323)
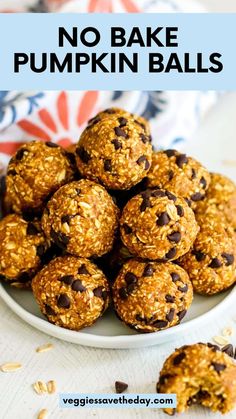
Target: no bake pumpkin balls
(82,219)
(199,374)
(22,245)
(158,225)
(114,151)
(149,296)
(71,292)
(211,262)
(180,174)
(36,171)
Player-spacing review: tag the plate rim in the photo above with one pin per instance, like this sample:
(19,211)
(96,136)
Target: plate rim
(103,341)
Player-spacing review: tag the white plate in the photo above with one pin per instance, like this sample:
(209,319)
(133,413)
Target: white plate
(109,332)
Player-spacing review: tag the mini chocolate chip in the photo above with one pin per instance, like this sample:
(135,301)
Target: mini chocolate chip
(117,144)
(78,286)
(145,139)
(31,230)
(127,229)
(181,314)
(109,111)
(229,350)
(148,270)
(203,182)
(181,160)
(229,258)
(170,174)
(170,152)
(179,358)
(163,219)
(49,310)
(59,238)
(145,204)
(189,202)
(122,121)
(130,288)
(180,210)
(218,367)
(164,377)
(83,270)
(51,144)
(175,277)
(171,254)
(94,121)
(174,237)
(67,279)
(63,301)
(107,165)
(170,315)
(169,298)
(123,294)
(40,250)
(71,157)
(171,196)
(142,159)
(83,154)
(65,219)
(213,347)
(160,323)
(130,278)
(20,154)
(158,193)
(200,256)
(215,263)
(120,387)
(120,132)
(11,172)
(197,197)
(184,288)
(194,174)
(146,194)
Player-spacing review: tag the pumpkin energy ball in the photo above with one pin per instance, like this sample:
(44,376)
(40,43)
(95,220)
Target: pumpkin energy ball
(36,171)
(158,225)
(149,296)
(179,174)
(199,374)
(22,245)
(71,292)
(82,219)
(114,151)
(211,262)
(220,196)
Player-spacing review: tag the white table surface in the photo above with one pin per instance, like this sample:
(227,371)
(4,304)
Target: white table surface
(87,370)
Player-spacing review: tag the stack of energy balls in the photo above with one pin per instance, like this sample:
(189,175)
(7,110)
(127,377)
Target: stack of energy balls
(112,220)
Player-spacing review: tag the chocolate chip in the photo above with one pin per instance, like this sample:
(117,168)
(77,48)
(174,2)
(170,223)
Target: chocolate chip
(218,367)
(180,210)
(31,230)
(181,160)
(189,202)
(67,279)
(145,139)
(171,254)
(145,204)
(49,310)
(130,278)
(140,123)
(59,238)
(83,270)
(174,237)
(109,111)
(170,152)
(127,229)
(83,154)
(171,196)
(160,324)
(78,286)
(169,298)
(179,358)
(148,270)
(203,182)
(197,197)
(107,165)
(40,250)
(229,258)
(164,377)
(65,219)
(120,387)
(130,288)
(142,159)
(163,219)
(200,256)
(94,121)
(158,193)
(170,315)
(229,350)
(20,154)
(71,158)
(175,277)
(51,144)
(117,144)
(213,347)
(181,314)
(170,175)
(139,318)
(184,288)
(120,132)
(122,121)
(215,263)
(194,174)
(63,301)
(123,294)
(11,172)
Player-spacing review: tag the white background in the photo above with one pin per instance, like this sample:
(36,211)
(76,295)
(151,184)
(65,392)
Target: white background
(220,5)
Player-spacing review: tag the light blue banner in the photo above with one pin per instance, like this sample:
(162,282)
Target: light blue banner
(35,37)
(119,401)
